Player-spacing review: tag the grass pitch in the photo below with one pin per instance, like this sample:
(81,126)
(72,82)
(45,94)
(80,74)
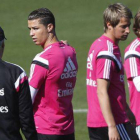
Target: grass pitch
(78,21)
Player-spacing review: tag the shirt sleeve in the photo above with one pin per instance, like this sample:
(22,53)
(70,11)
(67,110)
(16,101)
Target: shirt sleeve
(38,72)
(132,67)
(33,93)
(26,112)
(104,68)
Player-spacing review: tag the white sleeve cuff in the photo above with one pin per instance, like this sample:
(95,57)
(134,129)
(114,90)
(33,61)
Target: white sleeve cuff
(136,81)
(33,93)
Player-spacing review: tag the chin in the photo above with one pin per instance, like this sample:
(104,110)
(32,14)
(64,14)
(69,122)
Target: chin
(37,43)
(123,39)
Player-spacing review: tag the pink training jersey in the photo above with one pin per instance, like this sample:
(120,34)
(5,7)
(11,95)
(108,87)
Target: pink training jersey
(104,62)
(132,68)
(53,72)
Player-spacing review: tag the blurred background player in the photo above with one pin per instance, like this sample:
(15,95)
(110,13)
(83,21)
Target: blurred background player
(16,110)
(132,68)
(108,113)
(52,79)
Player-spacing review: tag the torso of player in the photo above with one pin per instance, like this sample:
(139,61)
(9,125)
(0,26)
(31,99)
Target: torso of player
(53,105)
(12,77)
(132,68)
(104,62)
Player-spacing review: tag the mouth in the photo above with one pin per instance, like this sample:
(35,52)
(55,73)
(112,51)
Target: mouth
(34,39)
(125,36)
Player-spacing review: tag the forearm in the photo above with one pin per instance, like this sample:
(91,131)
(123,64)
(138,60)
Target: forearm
(104,101)
(26,113)
(106,108)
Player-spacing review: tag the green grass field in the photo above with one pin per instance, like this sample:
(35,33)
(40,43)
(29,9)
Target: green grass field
(78,21)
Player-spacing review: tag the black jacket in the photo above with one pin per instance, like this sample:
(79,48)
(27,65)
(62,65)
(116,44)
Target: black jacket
(15,104)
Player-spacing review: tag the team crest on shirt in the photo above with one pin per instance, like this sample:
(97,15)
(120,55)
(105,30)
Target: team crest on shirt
(69,70)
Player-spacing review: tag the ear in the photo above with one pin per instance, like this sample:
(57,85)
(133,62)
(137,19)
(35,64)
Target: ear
(50,27)
(109,26)
(138,32)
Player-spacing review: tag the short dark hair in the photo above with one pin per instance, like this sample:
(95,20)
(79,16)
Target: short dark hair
(2,35)
(44,14)
(113,13)
(136,24)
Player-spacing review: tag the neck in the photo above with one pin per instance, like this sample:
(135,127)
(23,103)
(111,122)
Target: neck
(51,39)
(109,35)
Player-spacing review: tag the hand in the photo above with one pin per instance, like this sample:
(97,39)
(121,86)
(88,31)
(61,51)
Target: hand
(65,42)
(113,133)
(131,118)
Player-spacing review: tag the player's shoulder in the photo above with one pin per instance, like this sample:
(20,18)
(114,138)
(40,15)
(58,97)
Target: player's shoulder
(133,49)
(13,66)
(13,69)
(64,45)
(133,46)
(44,54)
(72,49)
(102,44)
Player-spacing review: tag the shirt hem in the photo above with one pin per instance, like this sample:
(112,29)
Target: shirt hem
(54,132)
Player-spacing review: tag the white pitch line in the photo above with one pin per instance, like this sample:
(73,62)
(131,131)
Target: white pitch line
(80,110)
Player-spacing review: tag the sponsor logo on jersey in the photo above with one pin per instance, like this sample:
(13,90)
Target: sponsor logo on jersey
(70,70)
(62,93)
(4,109)
(2,92)
(69,84)
(91,82)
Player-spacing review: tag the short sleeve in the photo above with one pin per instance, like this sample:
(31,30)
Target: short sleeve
(132,67)
(105,68)
(38,71)
(38,75)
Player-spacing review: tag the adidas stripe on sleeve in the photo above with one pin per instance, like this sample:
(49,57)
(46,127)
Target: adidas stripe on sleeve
(132,60)
(38,72)
(105,59)
(104,64)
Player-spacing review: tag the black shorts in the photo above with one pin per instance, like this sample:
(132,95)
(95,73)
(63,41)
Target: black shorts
(56,137)
(126,131)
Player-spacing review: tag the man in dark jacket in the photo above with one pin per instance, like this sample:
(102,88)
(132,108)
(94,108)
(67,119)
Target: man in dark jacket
(15,101)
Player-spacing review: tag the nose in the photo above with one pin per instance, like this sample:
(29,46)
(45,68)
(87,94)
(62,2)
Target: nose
(128,30)
(31,32)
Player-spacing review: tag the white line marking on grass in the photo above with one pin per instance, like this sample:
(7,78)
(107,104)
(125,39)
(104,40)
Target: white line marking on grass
(80,110)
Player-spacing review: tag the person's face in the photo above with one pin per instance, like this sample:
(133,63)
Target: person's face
(138,33)
(121,30)
(38,32)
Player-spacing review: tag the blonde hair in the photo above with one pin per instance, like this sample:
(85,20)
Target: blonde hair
(113,13)
(136,24)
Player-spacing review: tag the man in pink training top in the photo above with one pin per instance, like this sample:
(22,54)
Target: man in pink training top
(109,117)
(52,79)
(132,68)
